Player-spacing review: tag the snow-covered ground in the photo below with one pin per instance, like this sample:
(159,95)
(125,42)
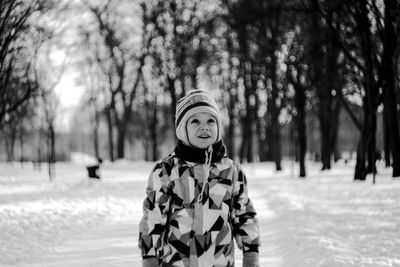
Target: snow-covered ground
(324,220)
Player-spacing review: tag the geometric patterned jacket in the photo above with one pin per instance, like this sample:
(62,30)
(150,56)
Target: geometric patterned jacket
(196,205)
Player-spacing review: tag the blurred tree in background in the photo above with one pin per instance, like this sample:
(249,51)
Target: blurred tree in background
(365,32)
(20,40)
(279,69)
(16,56)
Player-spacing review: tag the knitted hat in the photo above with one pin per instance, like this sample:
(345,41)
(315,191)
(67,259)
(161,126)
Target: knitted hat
(195,102)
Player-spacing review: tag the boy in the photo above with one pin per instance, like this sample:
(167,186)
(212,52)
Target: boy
(197,198)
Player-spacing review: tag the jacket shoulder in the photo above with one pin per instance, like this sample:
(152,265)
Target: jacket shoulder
(236,170)
(228,163)
(165,165)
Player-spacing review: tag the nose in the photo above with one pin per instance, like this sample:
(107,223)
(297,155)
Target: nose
(204,127)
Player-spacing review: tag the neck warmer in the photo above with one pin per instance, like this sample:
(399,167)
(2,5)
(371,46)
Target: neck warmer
(199,155)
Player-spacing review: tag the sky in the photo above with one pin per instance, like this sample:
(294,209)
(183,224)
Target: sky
(69,94)
(68,91)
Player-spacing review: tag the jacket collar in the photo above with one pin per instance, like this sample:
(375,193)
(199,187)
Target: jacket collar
(198,155)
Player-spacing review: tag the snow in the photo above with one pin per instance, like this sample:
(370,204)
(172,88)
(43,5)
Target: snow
(326,219)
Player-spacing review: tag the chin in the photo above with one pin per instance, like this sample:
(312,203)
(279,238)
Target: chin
(203,144)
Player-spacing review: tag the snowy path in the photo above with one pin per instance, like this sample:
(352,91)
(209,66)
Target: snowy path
(329,220)
(107,245)
(325,220)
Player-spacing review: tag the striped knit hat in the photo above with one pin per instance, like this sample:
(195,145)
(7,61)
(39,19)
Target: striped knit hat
(194,102)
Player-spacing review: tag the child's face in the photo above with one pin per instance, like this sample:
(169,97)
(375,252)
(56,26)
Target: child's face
(202,130)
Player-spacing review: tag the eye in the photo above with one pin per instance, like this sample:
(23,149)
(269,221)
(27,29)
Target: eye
(211,121)
(195,121)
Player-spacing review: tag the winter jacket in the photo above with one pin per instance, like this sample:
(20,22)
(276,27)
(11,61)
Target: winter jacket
(196,204)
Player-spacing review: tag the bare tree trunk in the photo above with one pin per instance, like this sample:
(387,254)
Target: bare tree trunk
(302,144)
(10,150)
(390,43)
(273,134)
(329,106)
(276,142)
(275,110)
(39,147)
(335,129)
(10,144)
(172,92)
(246,72)
(51,151)
(247,150)
(329,122)
(386,137)
(325,132)
(320,69)
(300,100)
(153,127)
(250,150)
(262,142)
(21,143)
(246,133)
(110,134)
(230,138)
(252,110)
(147,147)
(230,134)
(366,147)
(246,120)
(371,153)
(360,170)
(96,133)
(393,145)
(121,127)
(369,129)
(231,87)
(269,134)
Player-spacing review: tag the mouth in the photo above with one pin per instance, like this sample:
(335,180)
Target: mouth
(204,136)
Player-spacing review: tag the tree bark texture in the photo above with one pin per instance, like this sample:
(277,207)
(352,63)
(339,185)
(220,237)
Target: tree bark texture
(389,66)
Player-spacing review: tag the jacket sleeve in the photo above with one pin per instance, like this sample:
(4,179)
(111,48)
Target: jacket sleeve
(243,216)
(155,210)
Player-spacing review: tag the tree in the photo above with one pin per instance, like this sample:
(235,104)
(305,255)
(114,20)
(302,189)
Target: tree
(15,20)
(48,77)
(260,27)
(328,79)
(298,78)
(240,20)
(390,38)
(177,33)
(119,62)
(360,42)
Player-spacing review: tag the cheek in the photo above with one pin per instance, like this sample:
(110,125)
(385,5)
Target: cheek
(191,130)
